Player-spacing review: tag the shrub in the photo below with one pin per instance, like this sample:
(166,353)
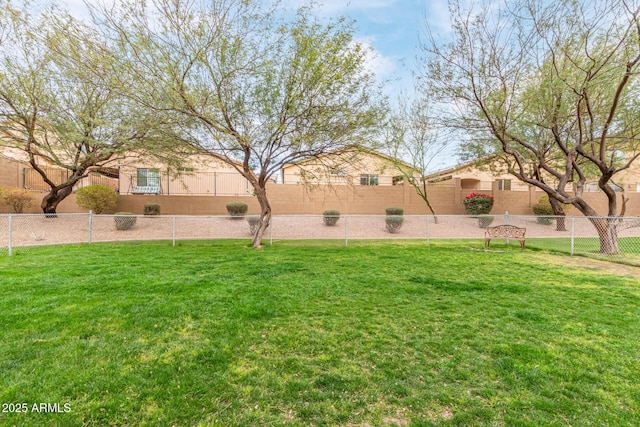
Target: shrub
(254,222)
(125,220)
(330,217)
(237,209)
(544,200)
(544,213)
(478,204)
(394,219)
(96,198)
(485,220)
(394,223)
(151,209)
(19,199)
(394,211)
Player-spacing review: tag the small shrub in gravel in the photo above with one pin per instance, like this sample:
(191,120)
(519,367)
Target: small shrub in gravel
(254,222)
(330,217)
(237,210)
(485,220)
(125,220)
(394,219)
(151,209)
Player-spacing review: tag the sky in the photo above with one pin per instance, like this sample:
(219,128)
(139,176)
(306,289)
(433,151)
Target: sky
(391,28)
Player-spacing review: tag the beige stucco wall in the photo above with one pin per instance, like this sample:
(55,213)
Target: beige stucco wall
(343,170)
(358,200)
(198,174)
(10,171)
(480,178)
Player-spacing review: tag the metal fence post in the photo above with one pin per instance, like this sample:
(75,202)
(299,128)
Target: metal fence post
(10,237)
(173,230)
(428,233)
(90,225)
(346,230)
(506,221)
(573,233)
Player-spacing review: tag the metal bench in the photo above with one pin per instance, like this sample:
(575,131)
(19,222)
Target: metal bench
(504,232)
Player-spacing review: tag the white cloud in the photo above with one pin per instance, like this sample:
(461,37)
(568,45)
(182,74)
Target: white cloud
(383,67)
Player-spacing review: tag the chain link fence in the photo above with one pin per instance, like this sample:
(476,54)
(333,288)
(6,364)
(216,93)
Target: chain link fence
(573,235)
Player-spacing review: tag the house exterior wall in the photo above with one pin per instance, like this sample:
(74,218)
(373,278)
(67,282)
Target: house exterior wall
(198,175)
(343,170)
(476,178)
(10,173)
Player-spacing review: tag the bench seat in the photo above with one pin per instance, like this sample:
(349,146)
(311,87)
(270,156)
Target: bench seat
(504,232)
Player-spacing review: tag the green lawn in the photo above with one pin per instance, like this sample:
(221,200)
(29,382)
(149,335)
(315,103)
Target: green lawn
(303,333)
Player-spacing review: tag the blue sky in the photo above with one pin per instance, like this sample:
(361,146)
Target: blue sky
(391,28)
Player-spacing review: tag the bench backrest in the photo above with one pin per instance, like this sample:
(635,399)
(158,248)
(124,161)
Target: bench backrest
(506,231)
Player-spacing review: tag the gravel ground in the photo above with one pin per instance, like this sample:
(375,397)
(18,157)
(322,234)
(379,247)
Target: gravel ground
(28,230)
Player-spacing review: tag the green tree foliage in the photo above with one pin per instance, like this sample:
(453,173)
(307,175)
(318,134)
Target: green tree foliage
(59,101)
(549,87)
(413,135)
(259,88)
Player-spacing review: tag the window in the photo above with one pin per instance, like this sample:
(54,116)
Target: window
(504,184)
(398,180)
(368,179)
(148,178)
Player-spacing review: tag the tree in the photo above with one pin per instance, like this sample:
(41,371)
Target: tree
(59,102)
(255,86)
(550,87)
(413,136)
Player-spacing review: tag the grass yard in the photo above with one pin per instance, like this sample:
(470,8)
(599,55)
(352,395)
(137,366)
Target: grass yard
(303,333)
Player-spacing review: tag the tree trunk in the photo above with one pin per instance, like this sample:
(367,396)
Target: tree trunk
(608,235)
(422,192)
(50,202)
(265,216)
(558,212)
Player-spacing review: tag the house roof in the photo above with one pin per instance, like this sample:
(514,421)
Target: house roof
(353,149)
(458,167)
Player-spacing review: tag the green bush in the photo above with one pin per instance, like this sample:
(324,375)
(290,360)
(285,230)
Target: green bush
(544,200)
(394,223)
(485,220)
(125,220)
(254,222)
(330,217)
(151,209)
(19,199)
(96,198)
(394,211)
(478,204)
(237,209)
(394,219)
(544,213)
